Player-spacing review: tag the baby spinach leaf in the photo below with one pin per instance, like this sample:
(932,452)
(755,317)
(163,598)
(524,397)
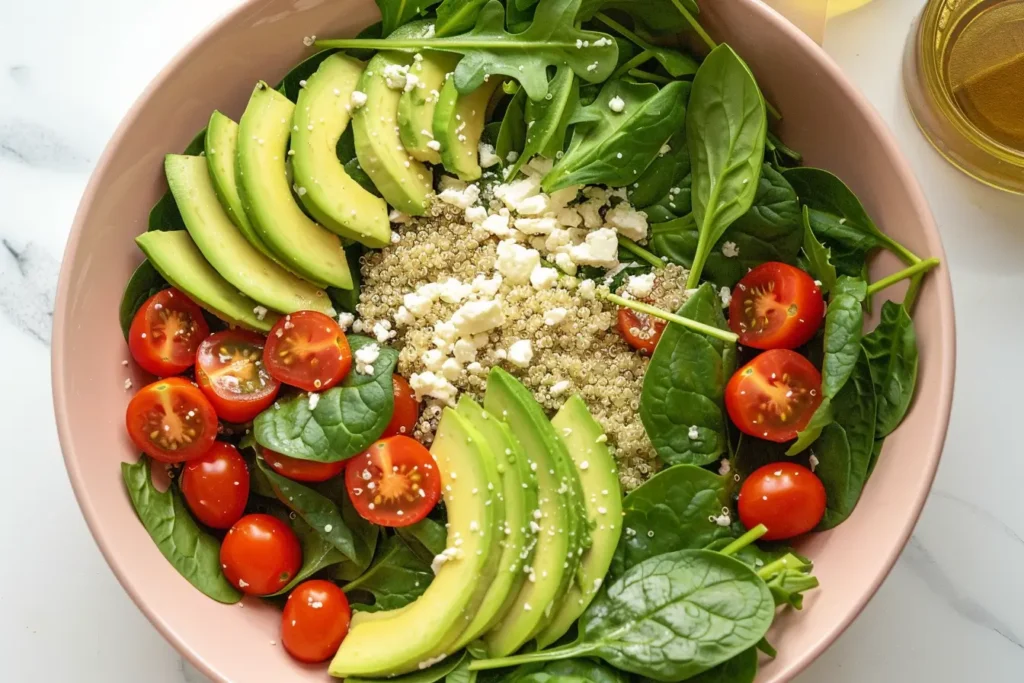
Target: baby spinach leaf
(317,554)
(582,670)
(164,214)
(364,533)
(488,49)
(614,148)
(844,326)
(427,537)
(819,258)
(443,670)
(396,13)
(835,472)
(512,133)
(855,413)
(892,349)
(667,178)
(345,421)
(876,452)
(189,549)
(461,673)
(547,120)
(673,510)
(740,669)
(783,155)
(396,577)
(683,387)
(725,129)
(347,299)
(144,283)
(806,437)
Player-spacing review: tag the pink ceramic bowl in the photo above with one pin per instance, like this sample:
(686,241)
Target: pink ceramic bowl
(825,118)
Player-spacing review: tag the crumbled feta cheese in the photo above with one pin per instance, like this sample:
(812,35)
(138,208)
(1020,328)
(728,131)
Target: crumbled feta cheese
(665,149)
(465,351)
(517,191)
(487,156)
(426,384)
(411,81)
(543,278)
(418,303)
(640,286)
(397,216)
(515,262)
(730,250)
(813,462)
(403,316)
(536,205)
(447,555)
(725,294)
(434,145)
(601,248)
(628,221)
(590,211)
(559,388)
(554,316)
(462,199)
(453,291)
(536,226)
(451,369)
(127,384)
(475,317)
(396,75)
(365,357)
(432,360)
(260,312)
(497,225)
(446,332)
(723,519)
(724,467)
(358,99)
(345,321)
(587,289)
(314,399)
(521,352)
(450,182)
(569,217)
(476,214)
(431,661)
(382,331)
(617,104)
(693,433)
(565,263)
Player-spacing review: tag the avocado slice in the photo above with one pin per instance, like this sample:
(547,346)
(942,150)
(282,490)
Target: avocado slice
(416,106)
(423,631)
(337,201)
(403,181)
(224,247)
(602,499)
(519,489)
(177,258)
(458,125)
(555,558)
(221,149)
(305,248)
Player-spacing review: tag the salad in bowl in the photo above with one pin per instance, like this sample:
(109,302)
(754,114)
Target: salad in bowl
(506,341)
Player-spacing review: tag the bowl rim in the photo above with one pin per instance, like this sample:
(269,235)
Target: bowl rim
(939,279)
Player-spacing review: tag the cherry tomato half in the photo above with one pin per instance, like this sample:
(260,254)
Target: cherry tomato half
(230,371)
(260,554)
(394,482)
(776,306)
(166,332)
(216,486)
(640,330)
(307,350)
(407,409)
(302,470)
(171,421)
(786,497)
(315,621)
(773,396)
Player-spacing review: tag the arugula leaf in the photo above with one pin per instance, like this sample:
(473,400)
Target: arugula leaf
(892,349)
(512,133)
(317,554)
(740,669)
(684,386)
(396,13)
(670,511)
(144,283)
(488,49)
(676,63)
(396,578)
(819,258)
(547,120)
(725,129)
(657,15)
(346,419)
(189,549)
(613,148)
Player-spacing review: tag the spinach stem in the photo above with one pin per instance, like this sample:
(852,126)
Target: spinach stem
(895,247)
(638,251)
(744,540)
(912,291)
(648,76)
(709,330)
(919,267)
(564,652)
(633,63)
(771,569)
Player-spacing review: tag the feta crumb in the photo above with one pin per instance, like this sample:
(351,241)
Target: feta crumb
(475,317)
(725,294)
(521,352)
(617,104)
(559,388)
(587,289)
(475,215)
(543,278)
(358,99)
(434,145)
(411,81)
(127,384)
(462,199)
(536,226)
(451,369)
(515,262)
(628,221)
(465,351)
(403,316)
(724,467)
(396,76)
(565,263)
(447,555)
(429,384)
(516,192)
(813,461)
(601,248)
(314,399)
(365,357)
(730,250)
(431,661)
(260,312)
(382,331)
(640,286)
(693,433)
(665,149)
(487,156)
(432,360)
(497,224)
(400,217)
(345,320)
(554,316)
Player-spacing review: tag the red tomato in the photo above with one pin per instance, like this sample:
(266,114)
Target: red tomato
(776,306)
(315,621)
(786,497)
(166,332)
(171,421)
(216,486)
(407,409)
(773,396)
(307,350)
(302,470)
(260,554)
(640,330)
(230,371)
(394,482)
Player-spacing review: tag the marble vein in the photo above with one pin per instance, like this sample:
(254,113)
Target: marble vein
(28,283)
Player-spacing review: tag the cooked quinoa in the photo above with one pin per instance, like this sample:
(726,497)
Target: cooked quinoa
(581,352)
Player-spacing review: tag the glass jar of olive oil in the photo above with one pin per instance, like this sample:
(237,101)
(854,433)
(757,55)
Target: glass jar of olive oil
(964,75)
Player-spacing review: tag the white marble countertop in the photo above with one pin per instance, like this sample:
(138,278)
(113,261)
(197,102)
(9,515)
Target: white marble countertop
(952,610)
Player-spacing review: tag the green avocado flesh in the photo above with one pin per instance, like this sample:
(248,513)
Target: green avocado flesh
(176,257)
(602,502)
(519,488)
(425,630)
(555,556)
(458,125)
(416,106)
(224,247)
(337,201)
(304,247)
(403,181)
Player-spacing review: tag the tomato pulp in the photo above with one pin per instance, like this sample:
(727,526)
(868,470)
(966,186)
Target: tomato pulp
(171,421)
(165,333)
(774,396)
(230,371)
(776,306)
(307,350)
(394,482)
(641,331)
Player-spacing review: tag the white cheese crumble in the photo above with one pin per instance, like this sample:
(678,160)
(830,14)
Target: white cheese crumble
(426,384)
(314,399)
(462,199)
(396,76)
(345,320)
(724,467)
(725,294)
(640,286)
(475,317)
(260,312)
(397,216)
(434,145)
(543,278)
(521,352)
(628,221)
(693,433)
(559,388)
(487,156)
(516,262)
(813,461)
(447,555)
(600,248)
(730,250)
(553,316)
(366,356)
(617,104)
(358,99)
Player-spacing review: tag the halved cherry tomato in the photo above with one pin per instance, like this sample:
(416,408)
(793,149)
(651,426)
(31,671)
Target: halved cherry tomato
(230,371)
(216,486)
(166,332)
(786,497)
(260,554)
(773,396)
(776,306)
(171,421)
(302,470)
(407,409)
(640,330)
(307,350)
(315,621)
(394,482)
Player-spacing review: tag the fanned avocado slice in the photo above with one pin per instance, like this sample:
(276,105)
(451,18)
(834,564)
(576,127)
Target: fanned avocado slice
(458,125)
(416,106)
(176,257)
(336,200)
(304,247)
